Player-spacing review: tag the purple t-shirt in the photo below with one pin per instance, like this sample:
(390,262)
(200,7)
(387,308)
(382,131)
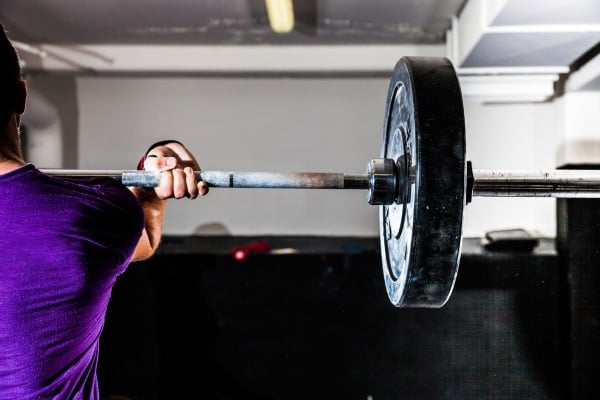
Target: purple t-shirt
(63,242)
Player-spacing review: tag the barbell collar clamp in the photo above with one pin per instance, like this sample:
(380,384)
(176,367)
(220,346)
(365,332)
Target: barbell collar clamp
(383,181)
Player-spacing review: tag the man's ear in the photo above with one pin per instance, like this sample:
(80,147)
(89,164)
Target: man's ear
(21,97)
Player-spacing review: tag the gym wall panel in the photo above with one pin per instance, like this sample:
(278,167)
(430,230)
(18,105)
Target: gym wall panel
(296,124)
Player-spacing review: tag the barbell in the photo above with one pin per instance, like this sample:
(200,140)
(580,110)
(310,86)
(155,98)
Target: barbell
(422,182)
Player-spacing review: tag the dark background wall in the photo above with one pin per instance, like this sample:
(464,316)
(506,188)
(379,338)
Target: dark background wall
(193,323)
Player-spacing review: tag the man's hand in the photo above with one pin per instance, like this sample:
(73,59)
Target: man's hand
(177,166)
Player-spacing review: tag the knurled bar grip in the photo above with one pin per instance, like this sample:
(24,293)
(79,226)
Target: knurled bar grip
(223,179)
(487,183)
(537,183)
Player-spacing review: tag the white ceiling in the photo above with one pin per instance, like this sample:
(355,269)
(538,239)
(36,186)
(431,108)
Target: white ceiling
(227,22)
(521,48)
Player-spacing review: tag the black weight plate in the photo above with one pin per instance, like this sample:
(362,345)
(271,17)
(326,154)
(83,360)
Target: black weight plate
(421,234)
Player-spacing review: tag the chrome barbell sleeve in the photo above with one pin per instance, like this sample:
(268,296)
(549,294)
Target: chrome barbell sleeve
(562,183)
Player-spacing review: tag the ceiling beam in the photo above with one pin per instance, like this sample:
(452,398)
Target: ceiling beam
(361,60)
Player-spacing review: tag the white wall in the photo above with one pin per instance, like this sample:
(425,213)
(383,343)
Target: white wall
(512,136)
(245,124)
(298,124)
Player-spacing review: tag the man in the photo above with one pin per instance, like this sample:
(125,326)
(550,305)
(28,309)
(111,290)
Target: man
(63,243)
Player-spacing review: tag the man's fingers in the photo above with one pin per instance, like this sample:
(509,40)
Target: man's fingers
(176,181)
(165,189)
(179,184)
(202,188)
(191,183)
(167,163)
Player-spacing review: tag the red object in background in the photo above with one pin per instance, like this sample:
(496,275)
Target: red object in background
(241,253)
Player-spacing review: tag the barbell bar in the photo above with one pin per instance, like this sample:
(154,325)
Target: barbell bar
(233,179)
(486,182)
(422,182)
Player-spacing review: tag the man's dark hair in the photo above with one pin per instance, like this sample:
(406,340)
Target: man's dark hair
(10,75)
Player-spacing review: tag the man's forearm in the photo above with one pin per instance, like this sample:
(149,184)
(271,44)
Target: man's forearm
(154,211)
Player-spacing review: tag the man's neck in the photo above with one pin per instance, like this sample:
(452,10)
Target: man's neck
(8,164)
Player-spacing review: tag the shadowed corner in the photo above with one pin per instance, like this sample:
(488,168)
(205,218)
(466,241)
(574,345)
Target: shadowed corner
(212,229)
